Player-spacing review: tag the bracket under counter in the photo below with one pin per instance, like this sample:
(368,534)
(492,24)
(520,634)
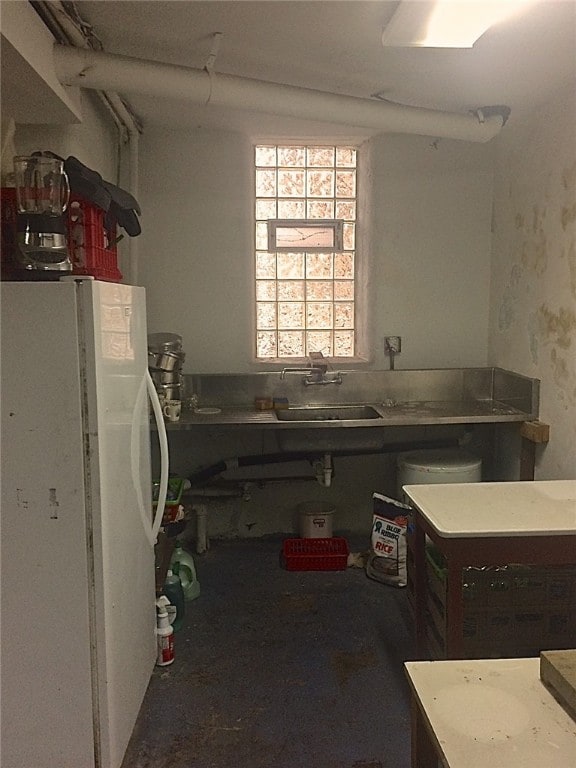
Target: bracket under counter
(532,433)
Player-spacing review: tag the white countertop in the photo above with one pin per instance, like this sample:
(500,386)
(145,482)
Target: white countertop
(494,712)
(528,508)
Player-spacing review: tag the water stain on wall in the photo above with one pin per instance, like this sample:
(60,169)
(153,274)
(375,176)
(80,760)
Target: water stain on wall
(567,219)
(535,248)
(559,327)
(537,219)
(571,256)
(533,336)
(561,375)
(507,313)
(567,215)
(569,177)
(539,255)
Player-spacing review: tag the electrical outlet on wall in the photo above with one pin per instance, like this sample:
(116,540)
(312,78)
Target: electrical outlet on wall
(392,344)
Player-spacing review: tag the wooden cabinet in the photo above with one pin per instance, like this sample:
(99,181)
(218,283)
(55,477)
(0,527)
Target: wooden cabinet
(492,568)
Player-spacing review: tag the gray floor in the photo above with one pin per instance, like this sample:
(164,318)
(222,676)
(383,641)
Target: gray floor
(278,669)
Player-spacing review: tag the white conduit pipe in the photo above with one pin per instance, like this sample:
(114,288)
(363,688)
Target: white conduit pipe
(133,173)
(103,71)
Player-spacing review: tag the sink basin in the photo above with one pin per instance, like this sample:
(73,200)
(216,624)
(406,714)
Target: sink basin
(328,413)
(329,432)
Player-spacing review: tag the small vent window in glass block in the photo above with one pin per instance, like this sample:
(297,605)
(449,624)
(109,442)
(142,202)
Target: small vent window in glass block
(300,235)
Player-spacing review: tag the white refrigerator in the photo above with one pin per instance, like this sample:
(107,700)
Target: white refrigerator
(77,535)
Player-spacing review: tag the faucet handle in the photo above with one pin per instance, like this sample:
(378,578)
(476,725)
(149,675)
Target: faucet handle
(318,361)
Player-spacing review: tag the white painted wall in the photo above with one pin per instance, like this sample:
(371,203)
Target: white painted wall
(93,141)
(31,91)
(426,240)
(533,294)
(196,244)
(430,250)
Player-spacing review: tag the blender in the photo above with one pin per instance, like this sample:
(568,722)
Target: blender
(42,195)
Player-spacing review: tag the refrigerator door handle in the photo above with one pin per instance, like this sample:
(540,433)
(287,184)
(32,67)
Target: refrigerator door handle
(164,462)
(151,527)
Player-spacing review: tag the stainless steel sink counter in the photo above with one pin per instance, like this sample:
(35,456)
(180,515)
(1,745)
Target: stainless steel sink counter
(452,412)
(397,398)
(228,416)
(401,414)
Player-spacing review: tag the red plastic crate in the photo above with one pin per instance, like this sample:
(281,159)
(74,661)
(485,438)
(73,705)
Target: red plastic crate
(315,554)
(8,231)
(91,244)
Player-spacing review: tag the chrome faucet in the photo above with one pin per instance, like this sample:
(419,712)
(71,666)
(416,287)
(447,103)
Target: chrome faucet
(311,370)
(316,371)
(315,357)
(321,379)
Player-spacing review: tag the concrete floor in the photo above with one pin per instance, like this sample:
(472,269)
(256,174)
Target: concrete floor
(278,669)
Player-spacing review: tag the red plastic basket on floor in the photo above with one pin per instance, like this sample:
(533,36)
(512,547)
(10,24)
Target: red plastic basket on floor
(91,244)
(315,554)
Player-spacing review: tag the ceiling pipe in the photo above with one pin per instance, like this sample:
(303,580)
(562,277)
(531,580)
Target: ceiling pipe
(103,71)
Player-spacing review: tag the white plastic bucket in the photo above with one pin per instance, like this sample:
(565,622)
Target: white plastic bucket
(437,466)
(315,520)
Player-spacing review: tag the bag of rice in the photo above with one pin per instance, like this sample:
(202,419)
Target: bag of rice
(387,559)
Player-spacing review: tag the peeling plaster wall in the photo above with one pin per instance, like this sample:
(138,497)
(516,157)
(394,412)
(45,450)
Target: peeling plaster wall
(533,286)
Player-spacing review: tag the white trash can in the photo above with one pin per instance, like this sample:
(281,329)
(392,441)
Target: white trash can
(315,519)
(436,466)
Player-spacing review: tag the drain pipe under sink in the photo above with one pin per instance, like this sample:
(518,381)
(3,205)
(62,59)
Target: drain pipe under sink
(324,470)
(202,476)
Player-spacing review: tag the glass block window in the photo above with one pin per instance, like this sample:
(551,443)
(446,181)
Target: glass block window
(305,234)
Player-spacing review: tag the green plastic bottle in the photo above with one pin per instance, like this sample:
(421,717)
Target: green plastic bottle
(174,592)
(187,571)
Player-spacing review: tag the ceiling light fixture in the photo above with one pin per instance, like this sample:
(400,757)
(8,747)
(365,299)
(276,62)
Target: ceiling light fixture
(446,23)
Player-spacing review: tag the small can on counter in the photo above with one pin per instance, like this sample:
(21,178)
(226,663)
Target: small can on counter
(263,403)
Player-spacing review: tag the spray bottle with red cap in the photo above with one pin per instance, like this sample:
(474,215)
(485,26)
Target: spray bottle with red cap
(164,633)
